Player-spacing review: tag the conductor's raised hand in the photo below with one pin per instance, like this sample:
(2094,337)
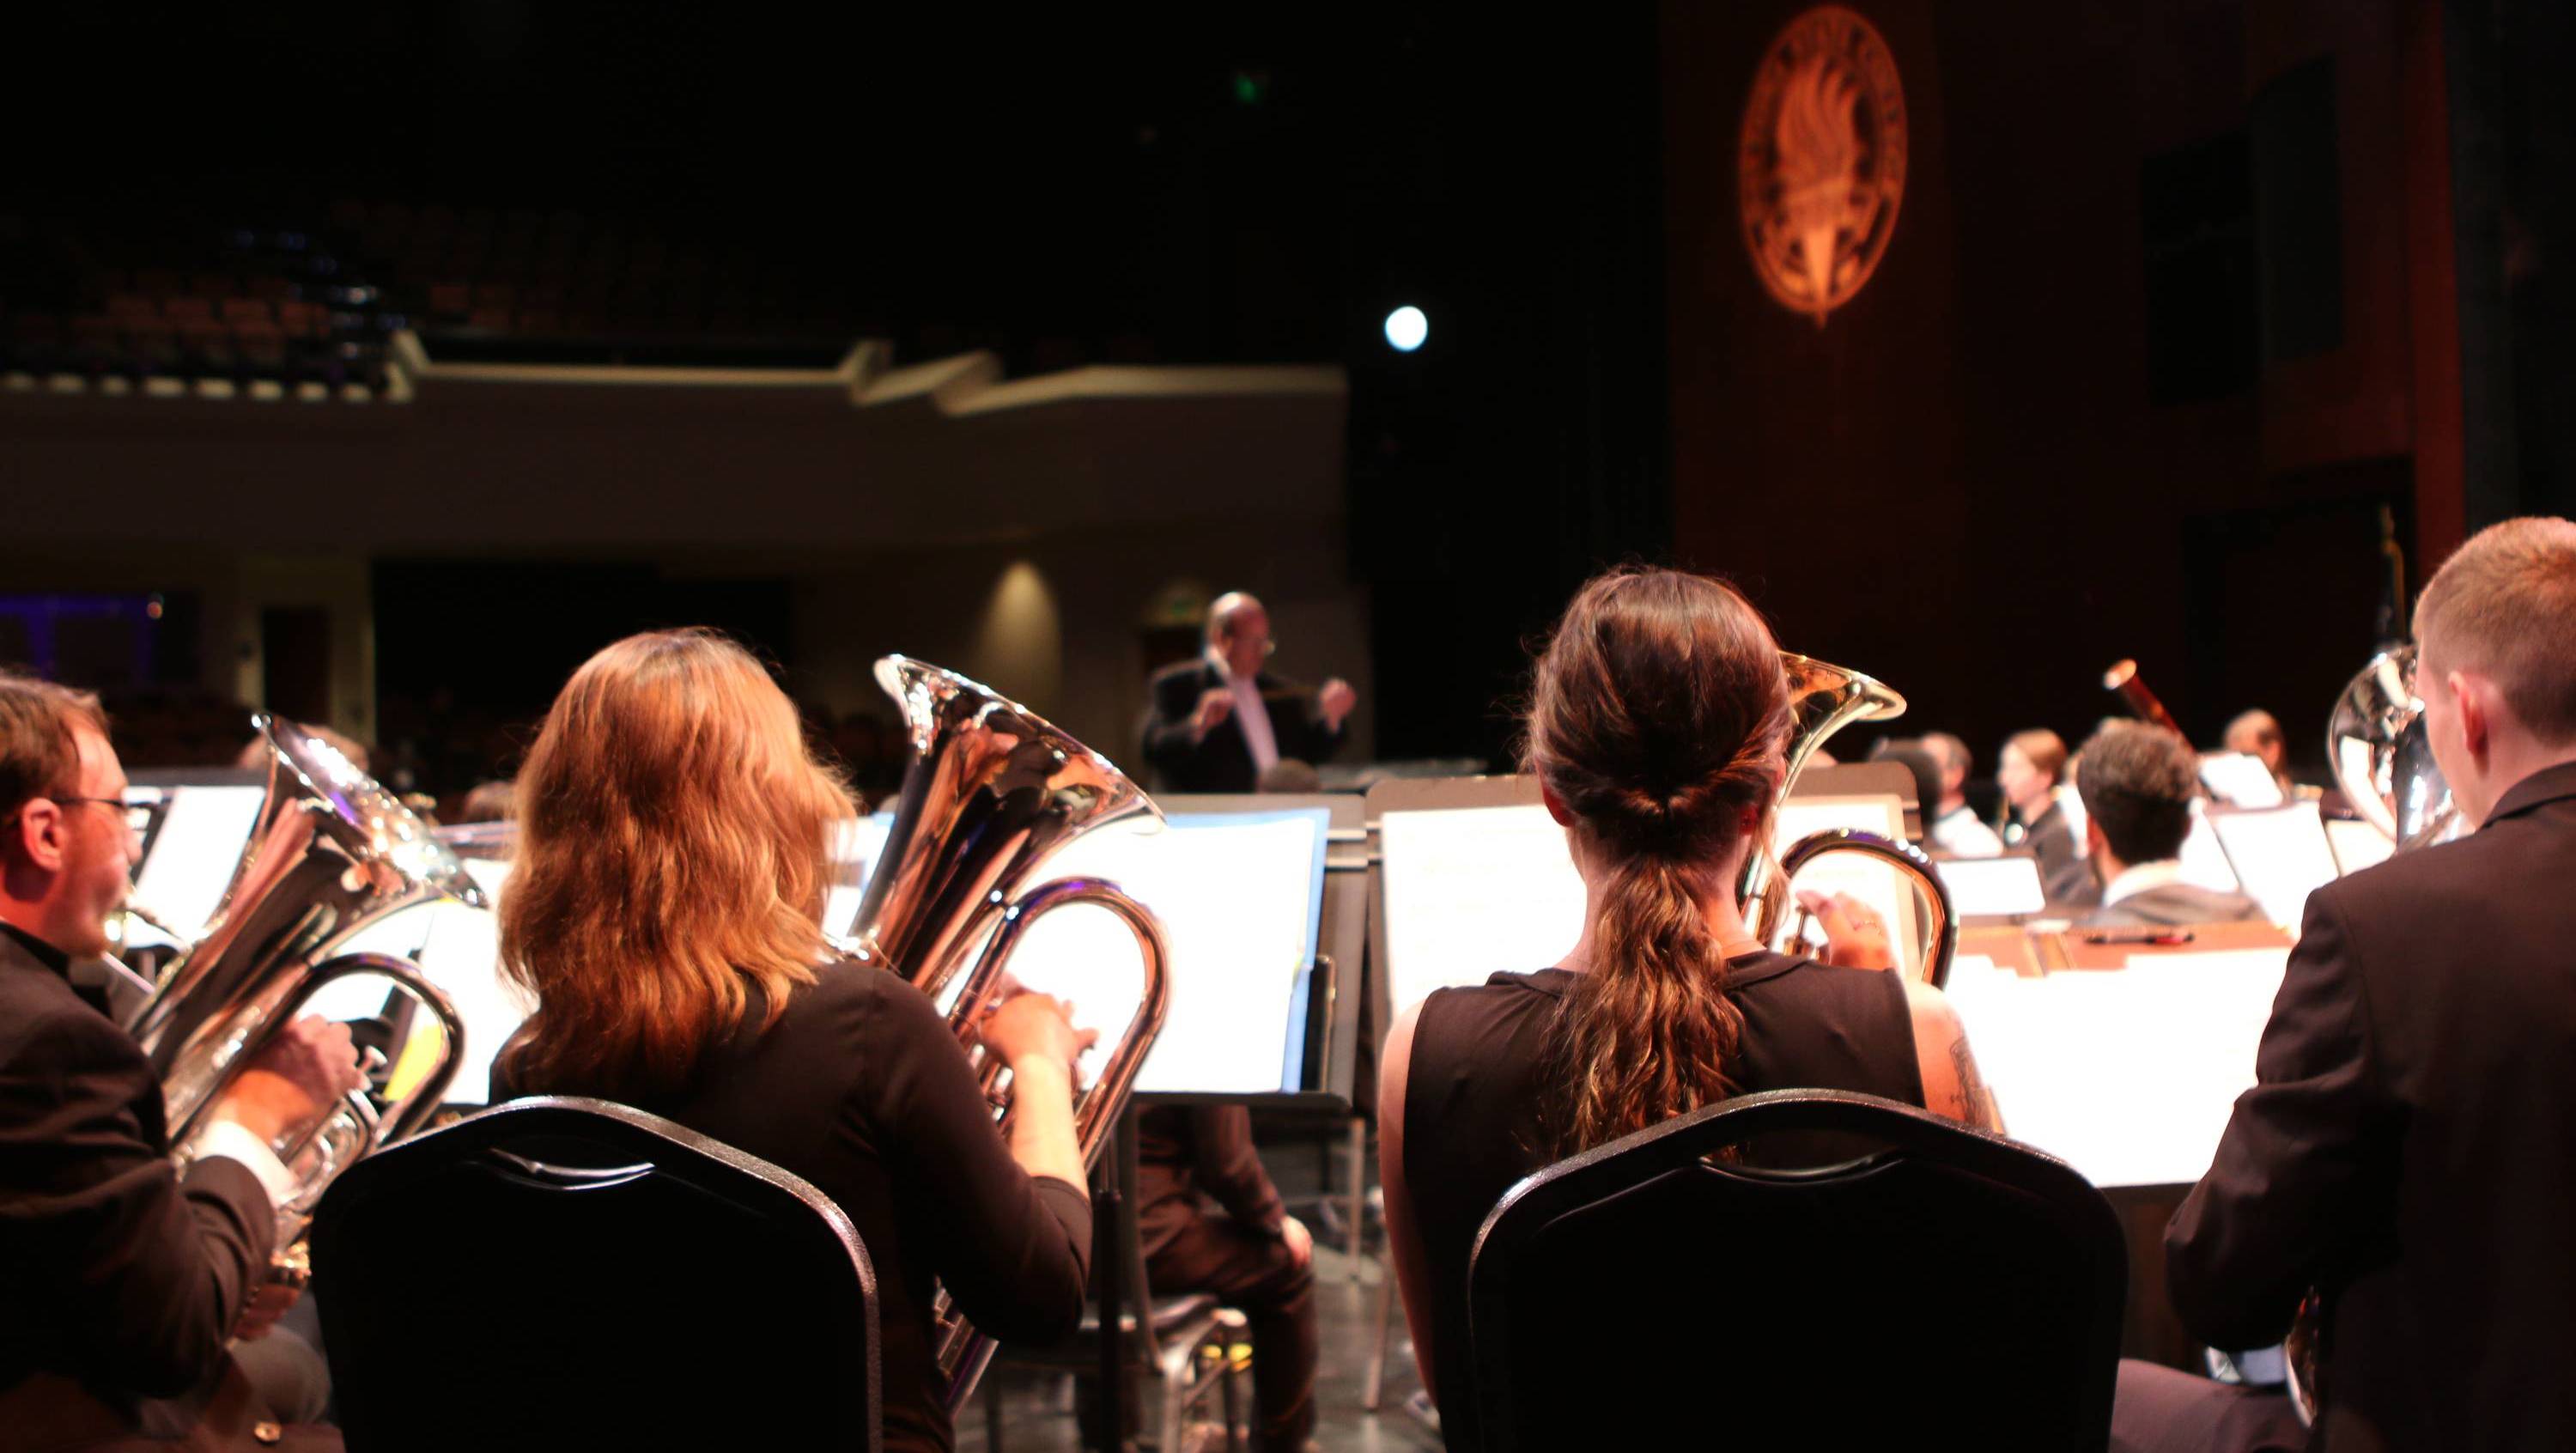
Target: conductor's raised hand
(1215,705)
(1855,936)
(1036,1029)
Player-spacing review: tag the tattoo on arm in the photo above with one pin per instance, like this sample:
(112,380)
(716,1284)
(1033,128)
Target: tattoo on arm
(1977,1103)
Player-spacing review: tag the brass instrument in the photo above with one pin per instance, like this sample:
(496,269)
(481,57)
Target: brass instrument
(331,853)
(991,791)
(2142,703)
(2376,745)
(1823,699)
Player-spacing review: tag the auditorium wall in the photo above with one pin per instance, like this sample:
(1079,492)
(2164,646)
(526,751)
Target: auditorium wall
(2135,374)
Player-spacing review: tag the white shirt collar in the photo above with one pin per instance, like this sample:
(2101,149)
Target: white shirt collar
(1216,659)
(2142,877)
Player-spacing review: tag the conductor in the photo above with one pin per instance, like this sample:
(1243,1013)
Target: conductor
(1221,721)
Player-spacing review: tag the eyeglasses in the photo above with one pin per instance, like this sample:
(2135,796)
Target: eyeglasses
(12,819)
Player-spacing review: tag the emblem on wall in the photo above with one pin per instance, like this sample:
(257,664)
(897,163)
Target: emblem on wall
(1820,164)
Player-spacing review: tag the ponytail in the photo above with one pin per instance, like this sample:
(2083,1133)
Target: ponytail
(1649,1032)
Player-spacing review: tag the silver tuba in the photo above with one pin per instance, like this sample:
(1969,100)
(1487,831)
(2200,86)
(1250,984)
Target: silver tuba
(332,852)
(2381,758)
(1823,699)
(991,791)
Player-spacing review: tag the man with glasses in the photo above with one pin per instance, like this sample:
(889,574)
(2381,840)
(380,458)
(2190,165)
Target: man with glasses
(1220,722)
(124,1281)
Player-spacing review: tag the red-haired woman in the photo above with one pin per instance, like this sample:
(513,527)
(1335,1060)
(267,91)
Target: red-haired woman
(665,910)
(1657,731)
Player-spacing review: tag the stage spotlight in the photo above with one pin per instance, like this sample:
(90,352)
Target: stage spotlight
(1406,327)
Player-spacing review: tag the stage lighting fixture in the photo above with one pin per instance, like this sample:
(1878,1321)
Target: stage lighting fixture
(1406,327)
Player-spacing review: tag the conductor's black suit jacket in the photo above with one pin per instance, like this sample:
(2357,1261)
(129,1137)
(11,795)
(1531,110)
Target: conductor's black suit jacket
(1222,760)
(2410,1148)
(120,1279)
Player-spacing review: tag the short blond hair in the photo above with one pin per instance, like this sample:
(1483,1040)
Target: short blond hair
(2505,605)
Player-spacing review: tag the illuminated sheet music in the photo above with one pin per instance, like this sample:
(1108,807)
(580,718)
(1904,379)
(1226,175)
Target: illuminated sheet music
(2280,854)
(2357,845)
(202,835)
(1470,891)
(2128,1075)
(1992,887)
(1240,897)
(2240,778)
(2204,862)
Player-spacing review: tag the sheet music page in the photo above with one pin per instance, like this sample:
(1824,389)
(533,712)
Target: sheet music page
(1886,891)
(202,836)
(2204,861)
(1470,891)
(2129,1075)
(2240,778)
(2281,855)
(2357,845)
(1238,896)
(1992,887)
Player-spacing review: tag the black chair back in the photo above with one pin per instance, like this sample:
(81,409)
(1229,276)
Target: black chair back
(566,1273)
(1942,1285)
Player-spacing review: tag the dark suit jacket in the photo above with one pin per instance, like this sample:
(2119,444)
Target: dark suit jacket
(2174,904)
(2410,1148)
(2063,872)
(120,1280)
(1222,761)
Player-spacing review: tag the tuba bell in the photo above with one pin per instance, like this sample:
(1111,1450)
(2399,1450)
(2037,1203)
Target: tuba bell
(1823,699)
(991,791)
(2382,760)
(331,854)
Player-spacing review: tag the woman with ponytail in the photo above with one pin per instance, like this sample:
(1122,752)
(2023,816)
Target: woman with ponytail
(1658,727)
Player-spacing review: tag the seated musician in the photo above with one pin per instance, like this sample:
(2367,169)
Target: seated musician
(2138,781)
(1955,827)
(125,1281)
(1658,728)
(2406,1152)
(2032,772)
(665,912)
(2257,735)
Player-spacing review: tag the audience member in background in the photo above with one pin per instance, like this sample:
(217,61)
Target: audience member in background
(1955,829)
(1221,721)
(2032,772)
(2406,1151)
(125,1281)
(2138,782)
(490,802)
(1658,730)
(2257,735)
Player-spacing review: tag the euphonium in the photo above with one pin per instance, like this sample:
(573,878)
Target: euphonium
(991,791)
(332,853)
(1823,699)
(2375,742)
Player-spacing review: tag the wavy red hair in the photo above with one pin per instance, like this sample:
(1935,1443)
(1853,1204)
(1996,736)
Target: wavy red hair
(673,842)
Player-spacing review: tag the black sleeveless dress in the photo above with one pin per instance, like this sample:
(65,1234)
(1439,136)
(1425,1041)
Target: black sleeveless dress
(1478,1081)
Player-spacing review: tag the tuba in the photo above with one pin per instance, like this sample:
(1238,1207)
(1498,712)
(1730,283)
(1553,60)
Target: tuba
(2375,742)
(332,853)
(990,792)
(1823,699)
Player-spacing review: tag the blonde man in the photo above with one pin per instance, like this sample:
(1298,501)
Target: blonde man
(2409,1150)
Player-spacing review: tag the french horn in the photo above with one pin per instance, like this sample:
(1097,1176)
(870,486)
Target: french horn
(331,853)
(990,792)
(1823,699)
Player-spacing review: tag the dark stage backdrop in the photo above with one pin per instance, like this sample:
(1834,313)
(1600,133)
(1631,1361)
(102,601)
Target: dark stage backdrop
(2136,376)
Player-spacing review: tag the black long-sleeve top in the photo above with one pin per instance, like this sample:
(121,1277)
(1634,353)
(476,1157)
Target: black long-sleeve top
(859,1087)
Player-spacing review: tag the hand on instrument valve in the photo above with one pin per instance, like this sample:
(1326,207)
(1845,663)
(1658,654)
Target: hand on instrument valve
(294,1079)
(1215,705)
(266,1305)
(1335,701)
(1854,937)
(1036,1028)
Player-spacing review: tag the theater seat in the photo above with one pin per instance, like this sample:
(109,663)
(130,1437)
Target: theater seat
(1865,1275)
(568,1273)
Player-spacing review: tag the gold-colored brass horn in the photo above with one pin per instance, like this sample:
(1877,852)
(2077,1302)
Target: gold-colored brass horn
(991,791)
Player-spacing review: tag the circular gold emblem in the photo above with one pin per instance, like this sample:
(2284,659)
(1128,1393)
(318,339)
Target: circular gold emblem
(1820,165)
